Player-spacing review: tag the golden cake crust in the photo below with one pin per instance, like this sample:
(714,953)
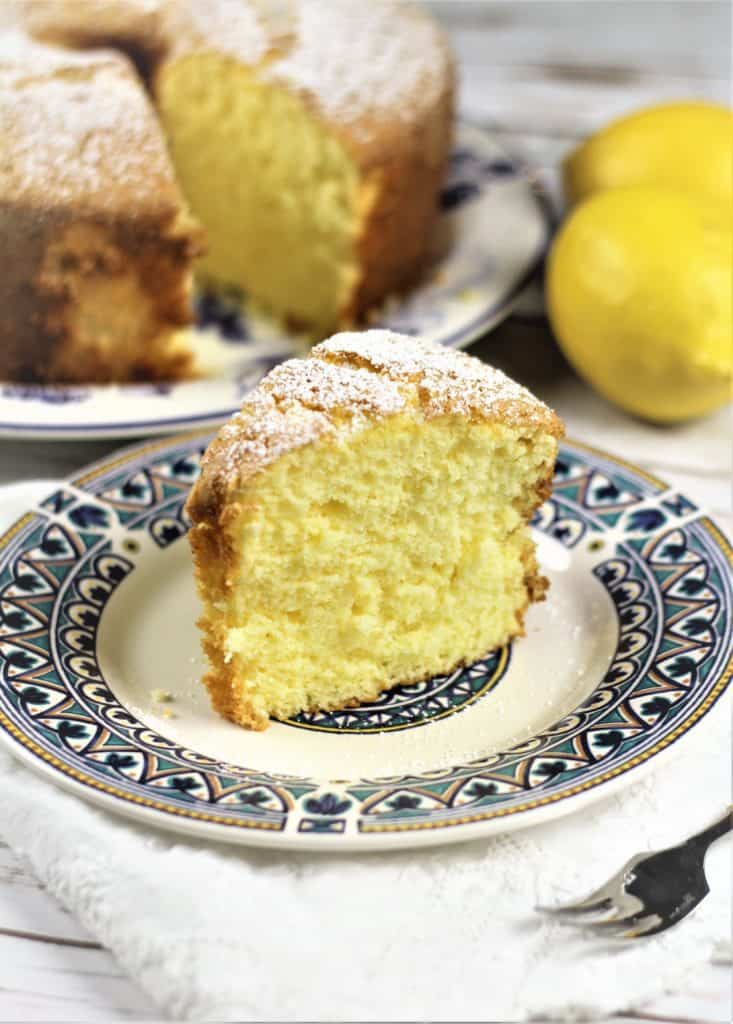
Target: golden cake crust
(349,382)
(133,26)
(91,211)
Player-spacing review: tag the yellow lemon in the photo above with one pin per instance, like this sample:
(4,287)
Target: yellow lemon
(639,295)
(683,145)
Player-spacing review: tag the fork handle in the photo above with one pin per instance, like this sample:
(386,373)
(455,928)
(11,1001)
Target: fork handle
(702,840)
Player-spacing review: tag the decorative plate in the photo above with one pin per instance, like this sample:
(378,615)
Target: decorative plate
(97,613)
(499,226)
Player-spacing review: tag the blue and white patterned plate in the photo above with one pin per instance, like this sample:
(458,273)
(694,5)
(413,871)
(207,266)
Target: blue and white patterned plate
(97,610)
(499,225)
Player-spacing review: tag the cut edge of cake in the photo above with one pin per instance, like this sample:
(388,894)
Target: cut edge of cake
(348,385)
(382,96)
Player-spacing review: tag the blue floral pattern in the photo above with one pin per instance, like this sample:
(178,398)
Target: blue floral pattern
(405,707)
(46,394)
(664,567)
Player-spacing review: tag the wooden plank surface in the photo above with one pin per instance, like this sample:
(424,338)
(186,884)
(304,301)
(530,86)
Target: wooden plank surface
(541,74)
(565,67)
(51,969)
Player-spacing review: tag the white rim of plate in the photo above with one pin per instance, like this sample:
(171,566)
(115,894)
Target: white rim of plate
(533,810)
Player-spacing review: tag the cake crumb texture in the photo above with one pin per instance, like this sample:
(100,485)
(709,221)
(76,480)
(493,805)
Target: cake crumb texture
(326,126)
(362,522)
(310,139)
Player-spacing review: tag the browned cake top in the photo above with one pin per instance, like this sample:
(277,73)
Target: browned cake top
(380,60)
(347,382)
(350,57)
(371,68)
(85,22)
(447,381)
(78,133)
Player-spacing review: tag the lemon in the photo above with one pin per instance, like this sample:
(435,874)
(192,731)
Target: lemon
(639,295)
(683,145)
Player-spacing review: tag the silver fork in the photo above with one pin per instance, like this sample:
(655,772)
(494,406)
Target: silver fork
(651,892)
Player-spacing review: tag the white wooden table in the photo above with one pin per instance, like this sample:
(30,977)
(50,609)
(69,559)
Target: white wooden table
(541,75)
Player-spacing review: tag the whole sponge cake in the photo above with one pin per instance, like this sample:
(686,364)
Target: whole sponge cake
(102,245)
(362,522)
(310,137)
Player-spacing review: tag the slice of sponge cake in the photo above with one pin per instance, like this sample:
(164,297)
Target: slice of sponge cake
(362,522)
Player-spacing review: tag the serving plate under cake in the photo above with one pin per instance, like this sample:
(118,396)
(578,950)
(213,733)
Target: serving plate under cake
(630,651)
(493,233)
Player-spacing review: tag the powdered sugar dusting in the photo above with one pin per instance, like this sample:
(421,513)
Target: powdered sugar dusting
(330,388)
(74,22)
(356,60)
(259,434)
(77,128)
(238,28)
(448,381)
(364,59)
(297,403)
(348,382)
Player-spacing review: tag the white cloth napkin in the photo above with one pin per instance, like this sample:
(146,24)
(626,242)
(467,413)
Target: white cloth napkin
(442,934)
